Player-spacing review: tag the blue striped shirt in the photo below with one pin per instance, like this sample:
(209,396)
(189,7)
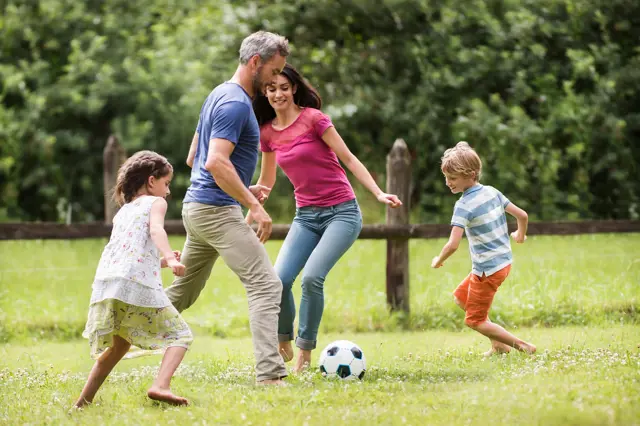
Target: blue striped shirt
(480,211)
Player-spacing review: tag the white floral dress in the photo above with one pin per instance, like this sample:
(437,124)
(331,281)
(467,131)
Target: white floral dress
(128,299)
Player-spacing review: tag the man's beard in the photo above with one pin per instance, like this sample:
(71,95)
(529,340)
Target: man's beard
(256,82)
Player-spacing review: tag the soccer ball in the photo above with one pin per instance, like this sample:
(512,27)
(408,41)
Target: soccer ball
(343,359)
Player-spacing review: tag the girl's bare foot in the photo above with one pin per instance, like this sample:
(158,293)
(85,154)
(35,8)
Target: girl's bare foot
(165,395)
(76,408)
(80,404)
(274,382)
(527,348)
(303,361)
(286,351)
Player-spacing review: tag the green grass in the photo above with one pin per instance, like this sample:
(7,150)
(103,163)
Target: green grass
(587,370)
(581,376)
(577,280)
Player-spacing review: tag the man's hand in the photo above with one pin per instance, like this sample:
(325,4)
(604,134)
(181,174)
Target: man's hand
(435,263)
(259,214)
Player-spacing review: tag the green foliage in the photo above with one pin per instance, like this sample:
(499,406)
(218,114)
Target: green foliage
(75,72)
(548,91)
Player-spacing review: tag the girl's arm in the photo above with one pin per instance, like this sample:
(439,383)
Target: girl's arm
(332,138)
(449,248)
(523,222)
(159,236)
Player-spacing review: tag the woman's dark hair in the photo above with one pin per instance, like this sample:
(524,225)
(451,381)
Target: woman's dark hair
(306,96)
(135,172)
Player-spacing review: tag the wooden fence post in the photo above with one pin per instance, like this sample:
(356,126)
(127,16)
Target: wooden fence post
(113,157)
(398,182)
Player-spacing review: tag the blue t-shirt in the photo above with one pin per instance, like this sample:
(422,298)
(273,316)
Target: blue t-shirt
(227,113)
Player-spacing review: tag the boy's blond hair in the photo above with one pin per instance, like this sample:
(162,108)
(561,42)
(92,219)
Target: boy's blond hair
(462,160)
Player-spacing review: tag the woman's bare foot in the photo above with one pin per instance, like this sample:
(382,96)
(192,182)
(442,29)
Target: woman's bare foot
(286,351)
(303,361)
(497,348)
(272,382)
(165,395)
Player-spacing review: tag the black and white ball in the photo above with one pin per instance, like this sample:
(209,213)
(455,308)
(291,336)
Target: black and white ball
(342,359)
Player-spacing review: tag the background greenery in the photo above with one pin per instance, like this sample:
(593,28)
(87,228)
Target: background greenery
(548,91)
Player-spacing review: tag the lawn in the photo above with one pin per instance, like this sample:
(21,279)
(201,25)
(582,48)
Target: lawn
(576,297)
(581,376)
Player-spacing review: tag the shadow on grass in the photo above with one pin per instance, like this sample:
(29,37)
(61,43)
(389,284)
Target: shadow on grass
(440,375)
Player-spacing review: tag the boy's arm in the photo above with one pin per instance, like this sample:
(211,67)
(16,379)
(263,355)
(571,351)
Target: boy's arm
(523,220)
(449,248)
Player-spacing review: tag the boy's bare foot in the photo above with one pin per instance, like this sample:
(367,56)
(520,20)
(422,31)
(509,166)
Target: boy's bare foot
(272,382)
(286,351)
(303,361)
(498,348)
(165,395)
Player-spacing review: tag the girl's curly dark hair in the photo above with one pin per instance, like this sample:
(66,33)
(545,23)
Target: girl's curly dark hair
(135,172)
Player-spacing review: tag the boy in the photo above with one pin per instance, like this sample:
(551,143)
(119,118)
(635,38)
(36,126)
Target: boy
(480,213)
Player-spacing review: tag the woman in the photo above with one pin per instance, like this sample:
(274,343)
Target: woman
(298,137)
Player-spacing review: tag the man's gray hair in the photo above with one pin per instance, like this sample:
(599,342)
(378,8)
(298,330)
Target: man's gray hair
(265,44)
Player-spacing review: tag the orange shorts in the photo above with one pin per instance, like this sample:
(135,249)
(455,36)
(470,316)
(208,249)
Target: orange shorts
(476,294)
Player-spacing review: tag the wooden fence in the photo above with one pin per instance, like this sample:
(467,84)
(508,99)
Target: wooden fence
(397,231)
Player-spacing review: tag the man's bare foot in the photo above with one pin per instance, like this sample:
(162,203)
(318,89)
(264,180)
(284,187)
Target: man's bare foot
(165,395)
(303,361)
(527,348)
(286,351)
(272,382)
(497,348)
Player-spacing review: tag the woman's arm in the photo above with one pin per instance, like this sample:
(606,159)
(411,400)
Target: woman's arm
(333,139)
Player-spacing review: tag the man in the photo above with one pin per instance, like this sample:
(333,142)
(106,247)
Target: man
(223,156)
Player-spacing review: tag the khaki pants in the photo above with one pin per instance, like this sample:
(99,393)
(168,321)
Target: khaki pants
(221,231)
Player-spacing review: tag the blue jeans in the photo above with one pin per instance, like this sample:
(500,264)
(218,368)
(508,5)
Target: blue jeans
(317,239)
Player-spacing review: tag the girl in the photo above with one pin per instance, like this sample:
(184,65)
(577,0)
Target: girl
(299,138)
(128,304)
